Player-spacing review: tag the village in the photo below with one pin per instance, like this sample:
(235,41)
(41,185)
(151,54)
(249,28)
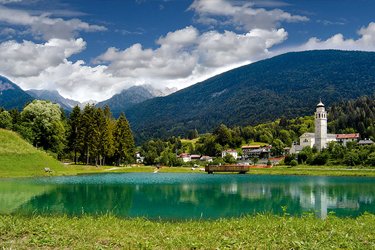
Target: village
(261,155)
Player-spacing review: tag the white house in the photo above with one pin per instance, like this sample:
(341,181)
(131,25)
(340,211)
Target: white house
(139,158)
(206,158)
(231,152)
(185,157)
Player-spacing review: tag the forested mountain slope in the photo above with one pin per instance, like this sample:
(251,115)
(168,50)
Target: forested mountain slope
(288,85)
(12,96)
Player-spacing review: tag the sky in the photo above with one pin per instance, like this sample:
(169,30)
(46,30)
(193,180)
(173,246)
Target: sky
(91,50)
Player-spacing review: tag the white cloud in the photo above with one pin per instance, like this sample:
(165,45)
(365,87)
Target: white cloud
(9,1)
(188,55)
(365,42)
(45,26)
(76,80)
(183,57)
(173,59)
(30,59)
(223,49)
(242,15)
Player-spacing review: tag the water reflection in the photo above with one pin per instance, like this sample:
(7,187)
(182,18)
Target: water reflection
(187,196)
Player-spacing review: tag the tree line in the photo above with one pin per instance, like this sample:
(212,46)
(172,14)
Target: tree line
(344,117)
(93,136)
(335,154)
(90,136)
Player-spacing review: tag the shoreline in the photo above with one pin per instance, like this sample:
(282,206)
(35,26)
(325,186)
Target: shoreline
(303,170)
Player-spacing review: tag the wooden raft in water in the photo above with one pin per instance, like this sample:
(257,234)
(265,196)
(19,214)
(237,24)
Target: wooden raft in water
(242,169)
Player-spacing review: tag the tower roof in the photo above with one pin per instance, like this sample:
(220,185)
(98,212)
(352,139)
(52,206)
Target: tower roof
(320,104)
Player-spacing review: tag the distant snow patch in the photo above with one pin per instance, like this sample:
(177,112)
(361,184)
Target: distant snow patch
(216,94)
(5,86)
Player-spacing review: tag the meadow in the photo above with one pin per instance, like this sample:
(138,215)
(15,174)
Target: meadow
(250,232)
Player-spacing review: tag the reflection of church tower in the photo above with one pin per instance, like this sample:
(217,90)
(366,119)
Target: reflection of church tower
(320,126)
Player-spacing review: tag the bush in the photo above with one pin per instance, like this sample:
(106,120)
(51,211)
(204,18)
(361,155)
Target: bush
(352,159)
(229,159)
(371,159)
(320,159)
(293,163)
(302,157)
(289,158)
(217,161)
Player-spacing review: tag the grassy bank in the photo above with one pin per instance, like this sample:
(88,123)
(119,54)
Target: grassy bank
(19,158)
(260,232)
(315,171)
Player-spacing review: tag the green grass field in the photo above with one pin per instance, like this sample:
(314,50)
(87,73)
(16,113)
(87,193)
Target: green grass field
(252,232)
(19,158)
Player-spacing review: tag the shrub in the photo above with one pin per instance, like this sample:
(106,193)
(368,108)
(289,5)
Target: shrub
(371,159)
(352,159)
(229,159)
(293,163)
(289,158)
(320,159)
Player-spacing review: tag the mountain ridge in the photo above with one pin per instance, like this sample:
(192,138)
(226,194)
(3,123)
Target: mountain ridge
(53,96)
(286,85)
(133,95)
(11,95)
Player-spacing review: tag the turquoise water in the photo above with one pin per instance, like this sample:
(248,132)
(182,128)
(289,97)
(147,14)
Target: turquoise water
(187,196)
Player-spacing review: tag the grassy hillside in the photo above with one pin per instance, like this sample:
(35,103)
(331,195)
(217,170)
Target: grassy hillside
(19,158)
(288,85)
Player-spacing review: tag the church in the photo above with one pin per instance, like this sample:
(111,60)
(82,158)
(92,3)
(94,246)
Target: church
(321,138)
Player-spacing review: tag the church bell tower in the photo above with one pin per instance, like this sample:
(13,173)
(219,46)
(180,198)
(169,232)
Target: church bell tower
(320,126)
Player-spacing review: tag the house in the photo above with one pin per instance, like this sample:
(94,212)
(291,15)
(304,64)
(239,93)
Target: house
(261,153)
(138,158)
(247,148)
(365,142)
(308,139)
(344,138)
(231,152)
(206,158)
(185,157)
(195,157)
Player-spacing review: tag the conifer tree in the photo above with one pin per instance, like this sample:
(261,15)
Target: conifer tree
(105,146)
(124,141)
(74,123)
(89,133)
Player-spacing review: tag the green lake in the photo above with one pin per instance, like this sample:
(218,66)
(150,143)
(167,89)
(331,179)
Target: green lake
(187,196)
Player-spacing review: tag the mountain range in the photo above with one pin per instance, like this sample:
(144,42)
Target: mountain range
(133,95)
(53,96)
(12,96)
(287,85)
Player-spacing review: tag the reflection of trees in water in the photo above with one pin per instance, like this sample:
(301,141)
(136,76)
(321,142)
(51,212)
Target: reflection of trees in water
(14,194)
(77,199)
(210,200)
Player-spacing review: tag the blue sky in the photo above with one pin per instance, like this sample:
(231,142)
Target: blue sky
(94,49)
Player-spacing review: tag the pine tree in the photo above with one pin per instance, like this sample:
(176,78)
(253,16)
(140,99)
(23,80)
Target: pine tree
(89,133)
(104,123)
(124,141)
(74,123)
